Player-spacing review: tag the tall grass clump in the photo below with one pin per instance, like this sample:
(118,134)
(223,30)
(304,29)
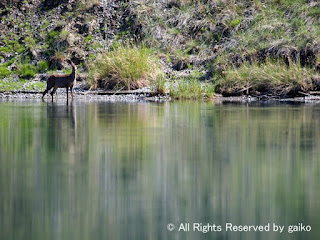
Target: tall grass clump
(191,89)
(271,77)
(125,67)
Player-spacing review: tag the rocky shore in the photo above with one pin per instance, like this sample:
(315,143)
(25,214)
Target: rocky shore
(253,48)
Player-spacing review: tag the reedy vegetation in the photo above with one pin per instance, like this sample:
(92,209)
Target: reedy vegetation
(271,77)
(125,67)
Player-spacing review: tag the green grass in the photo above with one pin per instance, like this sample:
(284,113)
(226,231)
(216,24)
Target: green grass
(52,35)
(159,86)
(5,49)
(235,22)
(42,66)
(88,38)
(10,85)
(27,70)
(191,89)
(4,72)
(64,34)
(125,67)
(271,77)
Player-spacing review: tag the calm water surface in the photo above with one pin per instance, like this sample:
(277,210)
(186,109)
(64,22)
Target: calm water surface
(96,170)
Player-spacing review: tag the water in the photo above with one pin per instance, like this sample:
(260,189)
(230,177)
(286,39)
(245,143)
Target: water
(96,170)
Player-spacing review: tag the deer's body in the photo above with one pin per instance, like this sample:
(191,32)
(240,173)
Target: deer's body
(61,81)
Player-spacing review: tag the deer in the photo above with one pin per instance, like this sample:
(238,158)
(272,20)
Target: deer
(61,81)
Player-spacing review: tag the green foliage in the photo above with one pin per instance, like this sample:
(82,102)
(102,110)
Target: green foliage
(4,72)
(10,85)
(88,38)
(64,34)
(26,70)
(5,49)
(52,35)
(235,22)
(45,24)
(314,12)
(42,66)
(29,41)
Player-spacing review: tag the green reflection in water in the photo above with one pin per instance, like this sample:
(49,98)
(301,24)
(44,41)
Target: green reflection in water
(124,171)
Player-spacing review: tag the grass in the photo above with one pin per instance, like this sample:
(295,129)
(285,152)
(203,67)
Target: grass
(21,85)
(125,67)
(191,89)
(159,86)
(43,66)
(64,34)
(27,70)
(86,4)
(268,78)
(4,72)
(52,35)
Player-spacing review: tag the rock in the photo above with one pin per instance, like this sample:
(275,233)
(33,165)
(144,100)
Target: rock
(173,3)
(8,3)
(316,82)
(49,4)
(81,77)
(82,28)
(193,50)
(57,63)
(77,55)
(181,64)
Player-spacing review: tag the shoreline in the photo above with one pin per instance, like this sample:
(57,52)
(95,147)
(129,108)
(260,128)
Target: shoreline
(144,95)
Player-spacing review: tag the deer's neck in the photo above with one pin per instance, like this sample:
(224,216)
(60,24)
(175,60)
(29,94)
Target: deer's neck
(73,74)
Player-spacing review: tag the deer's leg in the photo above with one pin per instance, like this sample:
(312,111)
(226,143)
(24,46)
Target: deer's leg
(67,93)
(71,90)
(53,91)
(46,91)
(50,84)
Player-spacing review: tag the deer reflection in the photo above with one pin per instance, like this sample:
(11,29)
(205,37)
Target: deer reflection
(63,126)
